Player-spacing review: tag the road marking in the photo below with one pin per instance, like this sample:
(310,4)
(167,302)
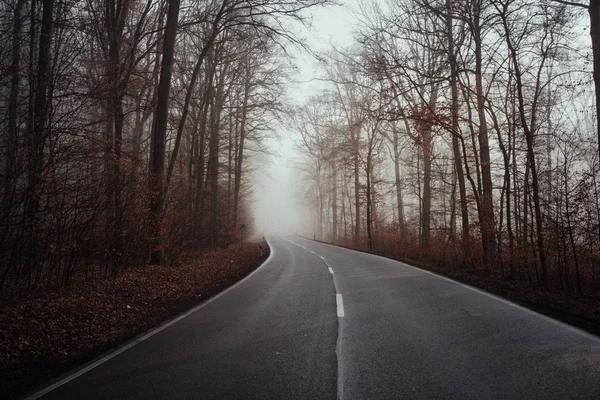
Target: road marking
(113,354)
(340,305)
(561,324)
(340,314)
(310,251)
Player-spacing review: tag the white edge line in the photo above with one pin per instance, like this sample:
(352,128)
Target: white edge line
(142,338)
(330,270)
(493,296)
(340,305)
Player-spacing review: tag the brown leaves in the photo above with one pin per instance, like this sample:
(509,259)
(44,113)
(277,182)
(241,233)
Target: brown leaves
(46,333)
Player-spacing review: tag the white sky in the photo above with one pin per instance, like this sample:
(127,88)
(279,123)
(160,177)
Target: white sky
(331,27)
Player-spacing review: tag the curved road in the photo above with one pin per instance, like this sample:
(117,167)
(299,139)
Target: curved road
(322,322)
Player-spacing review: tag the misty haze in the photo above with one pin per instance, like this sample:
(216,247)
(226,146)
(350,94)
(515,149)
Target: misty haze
(300,199)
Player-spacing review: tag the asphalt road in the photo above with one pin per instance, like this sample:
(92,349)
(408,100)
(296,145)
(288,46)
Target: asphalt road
(320,322)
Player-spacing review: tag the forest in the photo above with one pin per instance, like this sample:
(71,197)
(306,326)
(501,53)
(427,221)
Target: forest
(461,133)
(464,134)
(128,128)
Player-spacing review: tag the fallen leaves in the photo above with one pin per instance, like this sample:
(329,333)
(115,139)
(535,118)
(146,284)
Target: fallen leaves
(46,334)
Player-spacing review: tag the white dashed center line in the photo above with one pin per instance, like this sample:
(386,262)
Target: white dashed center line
(340,305)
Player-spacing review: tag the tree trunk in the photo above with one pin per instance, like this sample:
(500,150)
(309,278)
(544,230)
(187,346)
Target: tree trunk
(458,166)
(200,192)
(240,157)
(191,90)
(37,136)
(13,107)
(426,201)
(530,151)
(115,18)
(369,204)
(594,10)
(334,230)
(355,135)
(157,167)
(212,168)
(487,203)
(399,199)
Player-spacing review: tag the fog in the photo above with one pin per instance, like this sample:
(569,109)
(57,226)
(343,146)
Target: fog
(277,184)
(277,205)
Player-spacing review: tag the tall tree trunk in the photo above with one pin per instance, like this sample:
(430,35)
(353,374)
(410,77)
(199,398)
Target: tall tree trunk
(116,15)
(334,230)
(458,166)
(212,174)
(506,184)
(574,247)
(369,203)
(594,11)
(37,136)
(199,175)
(192,87)
(426,200)
(13,107)
(240,157)
(199,197)
(355,136)
(212,169)
(487,203)
(230,156)
(530,155)
(320,202)
(157,167)
(399,199)
(191,171)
